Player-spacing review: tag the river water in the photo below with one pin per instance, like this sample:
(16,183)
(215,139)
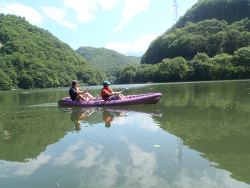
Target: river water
(198,135)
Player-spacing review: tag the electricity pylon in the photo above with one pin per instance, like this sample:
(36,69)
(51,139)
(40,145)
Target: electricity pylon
(176,15)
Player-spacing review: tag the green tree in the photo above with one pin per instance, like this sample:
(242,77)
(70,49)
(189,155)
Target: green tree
(201,70)
(242,57)
(26,82)
(5,81)
(125,75)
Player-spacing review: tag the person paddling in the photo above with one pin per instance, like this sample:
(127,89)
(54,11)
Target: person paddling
(107,92)
(77,95)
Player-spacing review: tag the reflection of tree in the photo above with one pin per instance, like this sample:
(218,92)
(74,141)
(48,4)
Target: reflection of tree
(27,128)
(25,135)
(214,120)
(205,95)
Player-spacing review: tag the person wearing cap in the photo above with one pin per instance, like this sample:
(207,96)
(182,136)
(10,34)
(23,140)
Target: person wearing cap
(107,92)
(76,94)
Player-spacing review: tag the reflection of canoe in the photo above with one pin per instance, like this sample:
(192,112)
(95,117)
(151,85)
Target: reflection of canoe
(151,98)
(151,110)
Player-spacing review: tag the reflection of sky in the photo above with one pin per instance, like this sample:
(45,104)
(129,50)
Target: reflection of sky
(10,169)
(146,122)
(107,158)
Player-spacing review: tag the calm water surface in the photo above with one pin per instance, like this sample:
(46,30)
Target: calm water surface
(198,135)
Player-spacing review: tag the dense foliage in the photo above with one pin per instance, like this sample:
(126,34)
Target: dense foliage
(31,57)
(228,10)
(107,60)
(201,67)
(210,36)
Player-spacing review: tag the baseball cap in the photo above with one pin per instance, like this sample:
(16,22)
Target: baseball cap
(74,82)
(106,83)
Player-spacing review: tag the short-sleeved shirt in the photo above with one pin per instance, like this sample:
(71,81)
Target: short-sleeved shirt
(105,93)
(73,93)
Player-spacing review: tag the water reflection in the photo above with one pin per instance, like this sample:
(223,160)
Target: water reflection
(197,136)
(109,117)
(94,115)
(81,116)
(212,118)
(25,135)
(137,169)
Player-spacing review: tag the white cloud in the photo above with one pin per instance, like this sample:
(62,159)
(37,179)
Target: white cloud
(90,157)
(138,169)
(141,44)
(9,169)
(131,8)
(18,9)
(58,15)
(86,8)
(143,167)
(68,156)
(108,4)
(146,122)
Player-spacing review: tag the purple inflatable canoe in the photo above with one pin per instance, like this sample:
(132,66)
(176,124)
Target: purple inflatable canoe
(151,98)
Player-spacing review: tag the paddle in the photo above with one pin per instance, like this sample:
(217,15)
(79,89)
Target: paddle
(114,96)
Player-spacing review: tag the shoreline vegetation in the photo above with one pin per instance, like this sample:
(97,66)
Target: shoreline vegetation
(200,68)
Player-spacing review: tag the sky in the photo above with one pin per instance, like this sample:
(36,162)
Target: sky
(121,25)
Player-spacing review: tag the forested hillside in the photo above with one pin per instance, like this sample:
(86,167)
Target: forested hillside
(210,36)
(210,42)
(228,10)
(31,57)
(107,60)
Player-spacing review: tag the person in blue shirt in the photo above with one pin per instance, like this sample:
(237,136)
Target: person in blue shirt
(77,95)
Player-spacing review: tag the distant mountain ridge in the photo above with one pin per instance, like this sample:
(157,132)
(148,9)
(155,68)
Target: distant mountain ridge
(139,54)
(106,60)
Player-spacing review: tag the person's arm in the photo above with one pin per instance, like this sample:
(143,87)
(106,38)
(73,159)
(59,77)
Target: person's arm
(82,92)
(113,93)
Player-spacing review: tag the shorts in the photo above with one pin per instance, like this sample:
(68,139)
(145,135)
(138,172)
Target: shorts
(114,98)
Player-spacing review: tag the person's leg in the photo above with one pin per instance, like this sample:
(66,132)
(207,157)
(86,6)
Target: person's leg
(87,95)
(121,97)
(124,97)
(80,98)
